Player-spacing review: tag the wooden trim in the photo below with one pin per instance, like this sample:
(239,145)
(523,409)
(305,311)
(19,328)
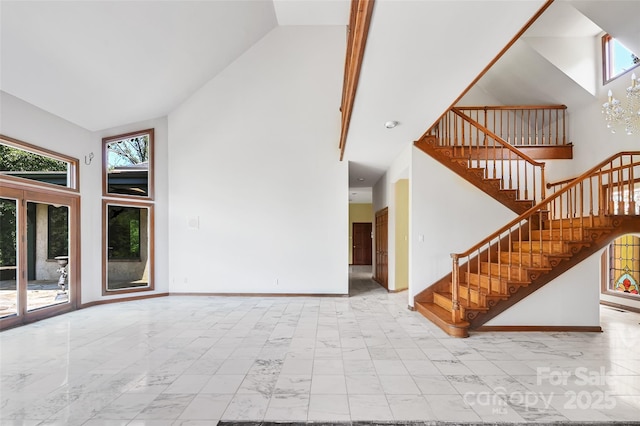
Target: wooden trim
(492,63)
(150,172)
(73,172)
(619,306)
(150,250)
(358,31)
(543,328)
(260,294)
(122,299)
(396,290)
(510,107)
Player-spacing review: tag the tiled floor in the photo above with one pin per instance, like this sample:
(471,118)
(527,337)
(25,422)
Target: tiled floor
(185,360)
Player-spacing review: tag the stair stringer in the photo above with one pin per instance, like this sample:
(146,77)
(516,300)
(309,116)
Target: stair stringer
(446,156)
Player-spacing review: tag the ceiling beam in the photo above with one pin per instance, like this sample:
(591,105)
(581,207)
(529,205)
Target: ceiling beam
(358,30)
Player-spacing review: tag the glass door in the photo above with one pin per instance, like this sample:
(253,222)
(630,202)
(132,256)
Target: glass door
(47,255)
(38,256)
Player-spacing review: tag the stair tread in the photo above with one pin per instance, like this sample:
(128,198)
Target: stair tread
(483,291)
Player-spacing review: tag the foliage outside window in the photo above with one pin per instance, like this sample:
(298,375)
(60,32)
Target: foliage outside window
(57,231)
(617,59)
(128,164)
(624,265)
(124,233)
(28,165)
(7,232)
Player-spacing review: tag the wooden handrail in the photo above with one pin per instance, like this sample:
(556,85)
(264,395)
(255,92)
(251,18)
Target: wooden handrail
(562,182)
(508,107)
(498,139)
(359,21)
(515,38)
(538,206)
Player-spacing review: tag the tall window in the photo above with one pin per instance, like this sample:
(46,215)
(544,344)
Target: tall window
(624,265)
(617,59)
(128,213)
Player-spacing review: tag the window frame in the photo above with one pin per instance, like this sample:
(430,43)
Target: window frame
(150,173)
(606,268)
(607,67)
(105,247)
(73,171)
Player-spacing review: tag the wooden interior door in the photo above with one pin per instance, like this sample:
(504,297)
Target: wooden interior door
(361,237)
(382,244)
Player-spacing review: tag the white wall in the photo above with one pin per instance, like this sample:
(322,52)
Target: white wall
(570,300)
(384,196)
(23,121)
(447,215)
(258,198)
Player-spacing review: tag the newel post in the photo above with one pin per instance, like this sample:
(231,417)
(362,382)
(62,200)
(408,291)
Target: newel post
(455,288)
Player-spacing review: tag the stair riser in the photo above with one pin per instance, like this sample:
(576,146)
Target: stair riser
(490,284)
(442,301)
(574,223)
(535,260)
(570,234)
(517,273)
(545,247)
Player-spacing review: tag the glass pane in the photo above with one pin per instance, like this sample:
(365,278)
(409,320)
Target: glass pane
(27,165)
(623,59)
(8,258)
(47,255)
(128,166)
(625,265)
(127,247)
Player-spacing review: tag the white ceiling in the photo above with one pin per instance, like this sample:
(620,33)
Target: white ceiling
(101,64)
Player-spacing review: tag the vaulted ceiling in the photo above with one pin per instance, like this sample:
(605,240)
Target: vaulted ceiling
(101,64)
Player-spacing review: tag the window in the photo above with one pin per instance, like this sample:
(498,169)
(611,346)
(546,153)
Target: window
(617,59)
(624,266)
(127,216)
(19,161)
(128,165)
(57,231)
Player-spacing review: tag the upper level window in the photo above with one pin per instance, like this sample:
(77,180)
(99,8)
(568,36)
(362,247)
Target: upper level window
(128,170)
(19,160)
(617,59)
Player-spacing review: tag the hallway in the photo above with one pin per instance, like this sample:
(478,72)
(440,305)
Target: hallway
(191,360)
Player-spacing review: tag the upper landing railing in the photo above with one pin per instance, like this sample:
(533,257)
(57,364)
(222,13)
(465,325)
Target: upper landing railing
(523,125)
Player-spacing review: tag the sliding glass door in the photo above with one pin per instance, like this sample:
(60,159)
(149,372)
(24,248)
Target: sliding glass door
(38,254)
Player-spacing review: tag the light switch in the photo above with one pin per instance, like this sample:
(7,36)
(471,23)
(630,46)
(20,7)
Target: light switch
(193,222)
(421,238)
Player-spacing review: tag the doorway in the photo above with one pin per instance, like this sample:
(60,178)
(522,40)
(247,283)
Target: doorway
(382,244)
(362,243)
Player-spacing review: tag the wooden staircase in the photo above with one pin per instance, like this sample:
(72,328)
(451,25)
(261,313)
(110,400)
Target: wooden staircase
(459,161)
(485,159)
(580,218)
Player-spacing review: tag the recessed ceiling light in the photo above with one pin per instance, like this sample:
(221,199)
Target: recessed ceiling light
(390,124)
(360,179)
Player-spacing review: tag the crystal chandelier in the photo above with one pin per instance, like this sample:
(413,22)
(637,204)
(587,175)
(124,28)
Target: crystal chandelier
(624,114)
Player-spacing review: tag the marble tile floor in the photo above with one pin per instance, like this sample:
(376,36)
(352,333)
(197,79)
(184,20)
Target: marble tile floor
(196,360)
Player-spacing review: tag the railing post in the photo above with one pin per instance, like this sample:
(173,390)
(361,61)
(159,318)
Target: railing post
(455,289)
(543,185)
